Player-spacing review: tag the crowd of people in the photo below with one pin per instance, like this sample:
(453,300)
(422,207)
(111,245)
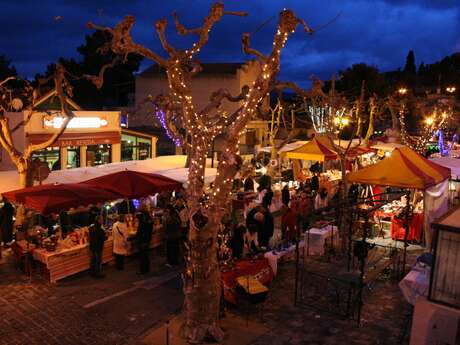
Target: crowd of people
(298,208)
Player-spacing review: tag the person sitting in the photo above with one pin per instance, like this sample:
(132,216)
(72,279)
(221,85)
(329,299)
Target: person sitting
(321,199)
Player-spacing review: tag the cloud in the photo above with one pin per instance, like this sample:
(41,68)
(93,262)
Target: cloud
(378,32)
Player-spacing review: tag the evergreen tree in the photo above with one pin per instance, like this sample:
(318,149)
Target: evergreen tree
(6,69)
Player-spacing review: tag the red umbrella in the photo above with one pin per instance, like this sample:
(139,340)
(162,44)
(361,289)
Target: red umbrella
(133,184)
(46,199)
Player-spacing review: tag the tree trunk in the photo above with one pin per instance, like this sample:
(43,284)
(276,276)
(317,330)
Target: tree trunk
(25,176)
(202,286)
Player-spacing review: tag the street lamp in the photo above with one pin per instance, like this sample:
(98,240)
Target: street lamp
(451,89)
(402,91)
(341,122)
(429,121)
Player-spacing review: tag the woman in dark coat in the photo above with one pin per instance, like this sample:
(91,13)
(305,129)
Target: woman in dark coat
(173,235)
(6,222)
(143,238)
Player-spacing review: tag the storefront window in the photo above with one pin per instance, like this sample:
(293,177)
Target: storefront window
(128,147)
(135,148)
(50,155)
(98,154)
(73,157)
(144,147)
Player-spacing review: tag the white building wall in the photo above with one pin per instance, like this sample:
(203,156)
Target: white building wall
(203,85)
(18,140)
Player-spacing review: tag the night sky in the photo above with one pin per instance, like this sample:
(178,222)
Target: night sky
(379,32)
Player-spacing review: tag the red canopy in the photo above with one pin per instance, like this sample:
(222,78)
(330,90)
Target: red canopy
(46,199)
(130,184)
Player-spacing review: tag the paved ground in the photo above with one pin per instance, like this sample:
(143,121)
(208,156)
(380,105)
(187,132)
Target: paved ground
(383,318)
(83,310)
(120,309)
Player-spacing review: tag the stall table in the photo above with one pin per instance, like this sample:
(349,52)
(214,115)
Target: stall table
(415,284)
(259,268)
(64,263)
(316,239)
(415,228)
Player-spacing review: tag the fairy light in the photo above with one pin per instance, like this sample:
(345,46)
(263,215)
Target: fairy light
(160,115)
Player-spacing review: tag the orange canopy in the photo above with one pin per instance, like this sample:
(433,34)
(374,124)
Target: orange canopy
(318,149)
(405,169)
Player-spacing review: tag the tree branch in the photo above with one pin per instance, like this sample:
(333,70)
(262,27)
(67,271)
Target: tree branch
(160,27)
(218,96)
(98,80)
(122,42)
(246,42)
(6,80)
(216,13)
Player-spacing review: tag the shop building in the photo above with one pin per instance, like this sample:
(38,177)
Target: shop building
(91,138)
(214,76)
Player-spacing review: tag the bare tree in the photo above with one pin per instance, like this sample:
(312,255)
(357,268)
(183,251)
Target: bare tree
(202,285)
(13,98)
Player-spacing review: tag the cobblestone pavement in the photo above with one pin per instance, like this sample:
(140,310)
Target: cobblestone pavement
(120,308)
(384,317)
(114,310)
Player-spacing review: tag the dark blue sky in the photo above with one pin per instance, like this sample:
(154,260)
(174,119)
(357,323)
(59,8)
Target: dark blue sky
(378,32)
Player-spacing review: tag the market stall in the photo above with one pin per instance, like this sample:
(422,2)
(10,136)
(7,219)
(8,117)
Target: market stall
(404,168)
(258,268)
(62,253)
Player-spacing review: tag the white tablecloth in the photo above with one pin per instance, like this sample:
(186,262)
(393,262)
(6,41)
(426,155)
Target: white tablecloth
(317,238)
(415,284)
(274,256)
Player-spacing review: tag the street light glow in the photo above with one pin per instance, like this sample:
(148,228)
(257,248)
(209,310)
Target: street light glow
(402,90)
(429,121)
(451,89)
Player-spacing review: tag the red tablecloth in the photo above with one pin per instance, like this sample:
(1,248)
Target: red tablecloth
(259,268)
(415,228)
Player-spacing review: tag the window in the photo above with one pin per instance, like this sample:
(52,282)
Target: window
(51,156)
(98,155)
(144,147)
(73,157)
(135,148)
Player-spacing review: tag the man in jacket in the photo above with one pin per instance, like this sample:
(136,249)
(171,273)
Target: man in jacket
(143,239)
(120,242)
(96,246)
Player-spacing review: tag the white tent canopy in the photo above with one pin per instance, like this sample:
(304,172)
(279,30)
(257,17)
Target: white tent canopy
(452,163)
(386,146)
(169,166)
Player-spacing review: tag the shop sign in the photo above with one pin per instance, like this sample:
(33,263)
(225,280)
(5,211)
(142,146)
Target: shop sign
(51,121)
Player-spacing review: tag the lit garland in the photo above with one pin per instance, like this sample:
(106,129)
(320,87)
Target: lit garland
(160,115)
(201,128)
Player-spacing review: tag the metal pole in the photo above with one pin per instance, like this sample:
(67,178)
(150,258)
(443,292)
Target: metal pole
(406,232)
(212,154)
(362,266)
(296,266)
(167,332)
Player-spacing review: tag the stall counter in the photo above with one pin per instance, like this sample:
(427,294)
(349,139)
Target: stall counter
(64,263)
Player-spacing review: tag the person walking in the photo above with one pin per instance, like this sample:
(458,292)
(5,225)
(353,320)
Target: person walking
(143,239)
(120,241)
(6,223)
(97,238)
(173,235)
